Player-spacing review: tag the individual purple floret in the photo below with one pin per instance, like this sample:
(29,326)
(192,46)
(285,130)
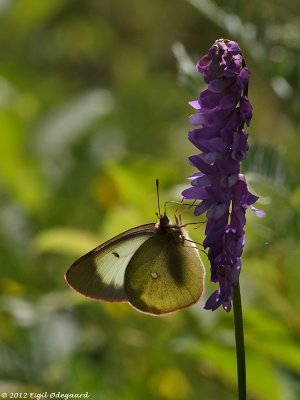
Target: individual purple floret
(222,110)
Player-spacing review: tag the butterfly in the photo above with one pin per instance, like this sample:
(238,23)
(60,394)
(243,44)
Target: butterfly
(154,267)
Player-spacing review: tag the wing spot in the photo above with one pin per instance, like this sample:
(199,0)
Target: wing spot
(116,254)
(154,275)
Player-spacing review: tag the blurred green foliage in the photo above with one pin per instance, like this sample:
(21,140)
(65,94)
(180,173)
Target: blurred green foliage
(93,108)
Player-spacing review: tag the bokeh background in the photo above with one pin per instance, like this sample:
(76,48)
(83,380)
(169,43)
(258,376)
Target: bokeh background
(93,108)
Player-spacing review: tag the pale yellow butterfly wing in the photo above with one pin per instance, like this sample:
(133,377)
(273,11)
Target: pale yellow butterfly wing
(164,275)
(99,274)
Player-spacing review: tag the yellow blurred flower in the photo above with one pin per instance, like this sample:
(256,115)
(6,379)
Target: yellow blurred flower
(170,383)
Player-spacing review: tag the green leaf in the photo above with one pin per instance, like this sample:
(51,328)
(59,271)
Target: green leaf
(219,361)
(65,241)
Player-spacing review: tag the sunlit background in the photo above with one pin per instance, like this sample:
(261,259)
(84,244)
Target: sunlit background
(93,108)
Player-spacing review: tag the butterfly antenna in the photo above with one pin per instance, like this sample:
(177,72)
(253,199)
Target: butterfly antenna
(157,194)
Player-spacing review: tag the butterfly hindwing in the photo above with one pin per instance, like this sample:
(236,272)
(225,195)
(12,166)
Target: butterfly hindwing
(99,274)
(164,274)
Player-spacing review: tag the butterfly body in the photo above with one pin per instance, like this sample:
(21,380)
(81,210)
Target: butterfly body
(153,267)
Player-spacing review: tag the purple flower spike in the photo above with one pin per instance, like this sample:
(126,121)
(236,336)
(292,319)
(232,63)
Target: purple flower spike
(222,110)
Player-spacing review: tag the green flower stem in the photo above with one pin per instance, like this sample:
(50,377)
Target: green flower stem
(239,342)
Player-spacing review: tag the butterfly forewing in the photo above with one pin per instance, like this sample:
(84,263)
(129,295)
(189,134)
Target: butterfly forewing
(164,275)
(100,273)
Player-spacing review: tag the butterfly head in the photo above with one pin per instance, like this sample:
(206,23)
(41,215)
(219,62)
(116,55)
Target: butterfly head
(163,221)
(165,227)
